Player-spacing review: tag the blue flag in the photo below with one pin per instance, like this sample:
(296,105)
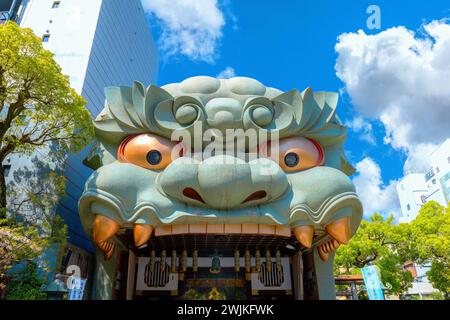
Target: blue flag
(373,283)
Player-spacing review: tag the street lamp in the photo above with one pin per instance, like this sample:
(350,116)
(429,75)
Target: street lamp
(55,290)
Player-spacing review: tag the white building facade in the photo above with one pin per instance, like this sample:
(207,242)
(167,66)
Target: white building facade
(416,189)
(97,43)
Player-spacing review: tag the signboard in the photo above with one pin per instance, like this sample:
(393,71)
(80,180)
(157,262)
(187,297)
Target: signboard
(373,283)
(77,291)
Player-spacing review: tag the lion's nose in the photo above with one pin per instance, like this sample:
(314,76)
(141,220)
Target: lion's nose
(222,182)
(225,181)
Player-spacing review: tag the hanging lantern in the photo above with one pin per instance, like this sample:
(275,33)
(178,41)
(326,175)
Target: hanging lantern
(248,266)
(278,256)
(152,261)
(195,261)
(268,261)
(184,261)
(258,261)
(237,261)
(173,261)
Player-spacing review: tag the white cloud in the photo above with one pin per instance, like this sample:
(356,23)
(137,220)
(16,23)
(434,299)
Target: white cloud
(403,80)
(363,127)
(418,158)
(189,27)
(227,73)
(375,196)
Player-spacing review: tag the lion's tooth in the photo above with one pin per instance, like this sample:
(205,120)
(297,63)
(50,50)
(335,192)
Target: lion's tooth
(103,229)
(335,244)
(322,253)
(142,233)
(108,248)
(109,253)
(340,230)
(304,235)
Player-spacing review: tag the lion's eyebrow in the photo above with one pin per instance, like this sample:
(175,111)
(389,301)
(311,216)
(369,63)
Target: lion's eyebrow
(136,110)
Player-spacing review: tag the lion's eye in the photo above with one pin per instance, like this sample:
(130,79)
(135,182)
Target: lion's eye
(291,159)
(294,154)
(154,157)
(148,151)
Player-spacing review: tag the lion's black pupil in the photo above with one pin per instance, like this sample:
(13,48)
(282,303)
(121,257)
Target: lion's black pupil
(154,157)
(291,159)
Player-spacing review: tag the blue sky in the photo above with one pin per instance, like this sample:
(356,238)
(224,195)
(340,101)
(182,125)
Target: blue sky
(291,44)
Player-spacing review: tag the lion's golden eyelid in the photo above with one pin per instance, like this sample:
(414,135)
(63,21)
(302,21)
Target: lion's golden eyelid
(138,149)
(298,153)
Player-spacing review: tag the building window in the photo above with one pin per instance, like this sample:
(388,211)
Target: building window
(408,207)
(56,4)
(433,181)
(45,37)
(423,198)
(429,175)
(437,170)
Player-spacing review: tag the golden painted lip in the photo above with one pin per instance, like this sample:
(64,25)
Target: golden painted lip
(261,229)
(105,228)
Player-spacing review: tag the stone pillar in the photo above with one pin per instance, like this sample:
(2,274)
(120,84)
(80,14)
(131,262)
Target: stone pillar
(354,291)
(297,272)
(131,275)
(324,271)
(104,276)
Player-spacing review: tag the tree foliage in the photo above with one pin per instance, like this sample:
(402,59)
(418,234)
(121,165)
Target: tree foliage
(26,284)
(42,119)
(431,235)
(424,241)
(18,242)
(377,242)
(37,104)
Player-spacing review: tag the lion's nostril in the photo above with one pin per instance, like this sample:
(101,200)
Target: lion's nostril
(191,193)
(261,194)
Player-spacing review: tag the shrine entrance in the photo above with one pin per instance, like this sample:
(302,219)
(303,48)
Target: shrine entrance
(203,267)
(206,286)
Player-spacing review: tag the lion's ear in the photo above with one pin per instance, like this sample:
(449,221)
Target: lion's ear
(99,155)
(93,159)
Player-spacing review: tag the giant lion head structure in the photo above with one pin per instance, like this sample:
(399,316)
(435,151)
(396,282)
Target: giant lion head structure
(144,180)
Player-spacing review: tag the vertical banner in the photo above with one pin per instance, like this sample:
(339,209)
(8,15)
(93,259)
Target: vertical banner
(373,283)
(77,291)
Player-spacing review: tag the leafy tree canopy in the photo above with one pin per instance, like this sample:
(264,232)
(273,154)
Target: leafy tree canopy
(26,284)
(377,242)
(37,104)
(430,233)
(425,241)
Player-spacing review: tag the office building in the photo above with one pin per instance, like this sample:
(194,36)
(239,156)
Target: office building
(97,43)
(416,189)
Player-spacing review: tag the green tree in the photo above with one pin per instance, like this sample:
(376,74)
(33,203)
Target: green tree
(430,232)
(18,242)
(33,197)
(37,105)
(26,284)
(378,242)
